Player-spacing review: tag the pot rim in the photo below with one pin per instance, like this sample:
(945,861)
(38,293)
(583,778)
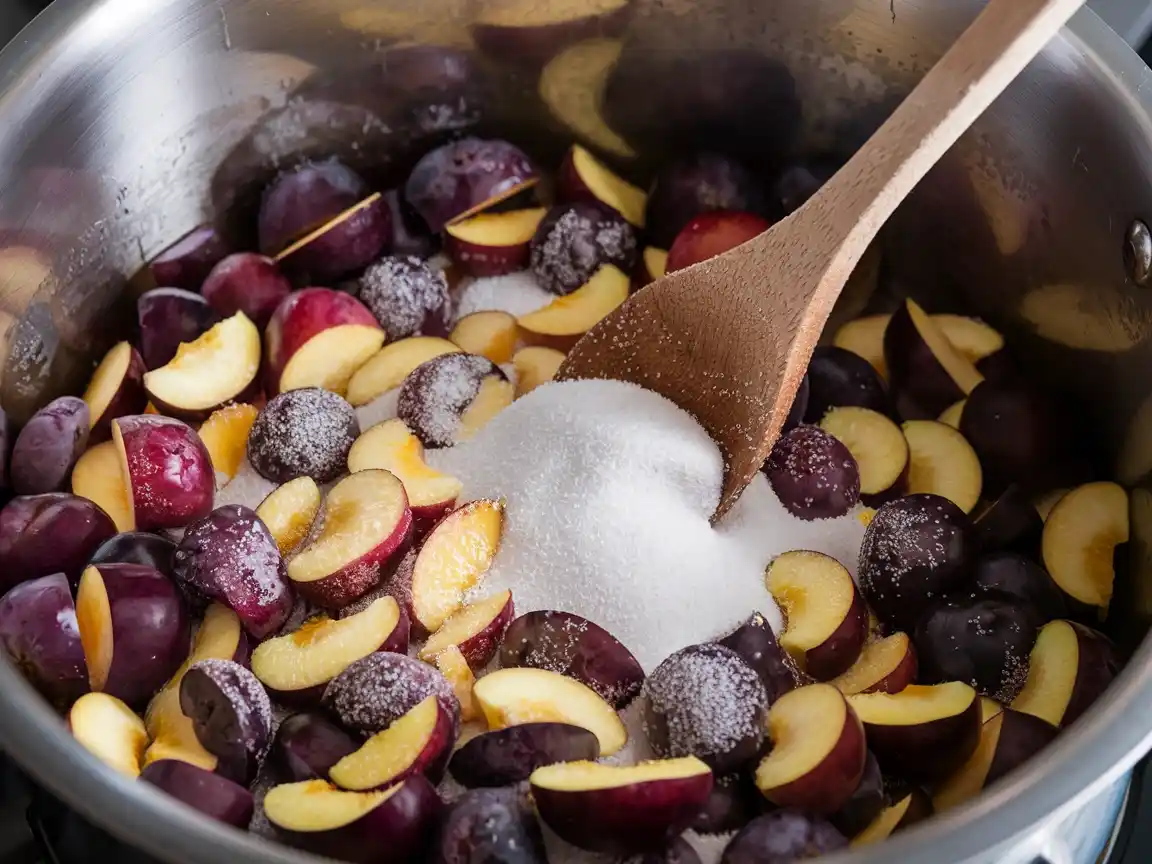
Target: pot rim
(1097,751)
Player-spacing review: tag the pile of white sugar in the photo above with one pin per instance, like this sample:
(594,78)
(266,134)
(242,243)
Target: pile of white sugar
(608,490)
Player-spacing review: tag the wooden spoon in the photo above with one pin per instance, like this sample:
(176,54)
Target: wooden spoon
(729,339)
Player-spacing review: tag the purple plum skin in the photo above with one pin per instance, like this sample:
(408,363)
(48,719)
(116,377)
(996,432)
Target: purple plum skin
(187,262)
(39,632)
(508,756)
(52,533)
(231,715)
(813,474)
(839,379)
(1018,578)
(755,642)
(138,547)
(304,198)
(307,745)
(48,446)
(489,825)
(168,317)
(345,248)
(698,184)
(783,837)
(733,803)
(248,283)
(211,794)
(679,851)
(375,691)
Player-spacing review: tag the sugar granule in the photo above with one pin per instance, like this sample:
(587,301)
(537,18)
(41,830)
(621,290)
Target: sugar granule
(515,293)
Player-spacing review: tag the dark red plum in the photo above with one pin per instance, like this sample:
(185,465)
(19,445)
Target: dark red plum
(576,239)
(489,825)
(982,641)
(1009,523)
(344,246)
(679,851)
(732,804)
(574,646)
(304,198)
(1017,578)
(135,629)
(508,756)
(139,547)
(705,701)
(840,378)
(379,689)
(410,236)
(48,446)
(1014,431)
(45,534)
(756,644)
(39,632)
(435,395)
(782,837)
(230,556)
(711,234)
(407,297)
(698,184)
(187,262)
(301,432)
(457,177)
(248,283)
(231,715)
(212,794)
(916,549)
(865,804)
(813,474)
(1022,736)
(168,317)
(307,745)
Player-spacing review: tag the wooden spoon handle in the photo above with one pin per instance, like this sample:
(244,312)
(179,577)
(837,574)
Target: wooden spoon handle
(979,66)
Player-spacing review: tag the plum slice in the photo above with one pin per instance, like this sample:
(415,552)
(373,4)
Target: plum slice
(1069,668)
(377,690)
(231,714)
(505,757)
(943,463)
(419,742)
(45,534)
(48,446)
(212,794)
(1080,539)
(110,731)
(115,389)
(489,825)
(307,745)
(575,240)
(813,474)
(878,447)
(755,642)
(167,318)
(40,635)
(783,837)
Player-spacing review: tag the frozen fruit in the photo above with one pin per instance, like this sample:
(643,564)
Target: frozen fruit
(48,446)
(983,641)
(289,512)
(1069,668)
(306,747)
(376,691)
(705,701)
(317,338)
(915,550)
(733,802)
(813,474)
(438,395)
(297,666)
(840,378)
(1009,523)
(923,733)
(566,643)
(621,809)
(218,367)
(139,547)
(510,697)
(390,826)
(134,628)
(818,753)
(877,445)
(583,177)
(188,261)
(826,621)
(367,522)
(225,434)
(926,372)
(45,534)
(489,825)
(864,337)
(461,178)
(492,244)
(563,321)
(713,233)
(115,389)
(171,481)
(575,240)
(535,365)
(418,742)
(305,432)
(303,199)
(346,243)
(168,317)
(388,368)
(697,184)
(246,282)
(942,462)
(407,297)
(572,85)
(1007,741)
(907,810)
(230,713)
(392,446)
(231,557)
(1021,580)
(490,334)
(39,633)
(885,665)
(1080,538)
(110,731)
(755,642)
(783,837)
(454,556)
(476,630)
(508,756)
(459,674)
(213,795)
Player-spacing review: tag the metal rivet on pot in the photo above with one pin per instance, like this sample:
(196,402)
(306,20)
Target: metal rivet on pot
(1138,252)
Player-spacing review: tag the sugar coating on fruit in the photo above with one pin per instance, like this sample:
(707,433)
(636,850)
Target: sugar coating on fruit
(249,724)
(436,393)
(608,490)
(377,690)
(306,431)
(571,245)
(516,293)
(402,291)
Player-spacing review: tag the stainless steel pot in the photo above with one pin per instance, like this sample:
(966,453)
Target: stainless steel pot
(124,123)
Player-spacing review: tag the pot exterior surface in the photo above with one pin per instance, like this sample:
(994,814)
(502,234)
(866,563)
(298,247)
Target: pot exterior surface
(126,123)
